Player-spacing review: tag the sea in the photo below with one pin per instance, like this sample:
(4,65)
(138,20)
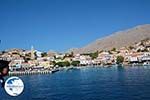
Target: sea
(87,83)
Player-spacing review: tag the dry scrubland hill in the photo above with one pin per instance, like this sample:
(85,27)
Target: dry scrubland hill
(118,39)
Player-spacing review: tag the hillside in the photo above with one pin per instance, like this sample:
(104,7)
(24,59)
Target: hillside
(118,39)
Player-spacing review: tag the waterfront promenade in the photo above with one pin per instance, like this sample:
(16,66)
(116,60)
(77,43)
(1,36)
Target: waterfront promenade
(27,72)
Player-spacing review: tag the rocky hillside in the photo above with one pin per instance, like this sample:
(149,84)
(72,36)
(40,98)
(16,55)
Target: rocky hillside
(118,39)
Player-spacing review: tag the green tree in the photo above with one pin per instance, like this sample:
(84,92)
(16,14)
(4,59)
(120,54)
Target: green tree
(120,59)
(75,63)
(53,62)
(101,51)
(145,50)
(44,54)
(66,63)
(110,52)
(94,55)
(28,55)
(63,63)
(113,49)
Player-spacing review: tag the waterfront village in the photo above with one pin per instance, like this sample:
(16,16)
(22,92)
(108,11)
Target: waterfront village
(34,60)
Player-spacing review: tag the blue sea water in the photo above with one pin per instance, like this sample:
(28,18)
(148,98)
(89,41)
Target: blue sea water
(131,83)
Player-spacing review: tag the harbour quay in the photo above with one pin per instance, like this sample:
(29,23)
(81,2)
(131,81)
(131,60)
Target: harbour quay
(17,73)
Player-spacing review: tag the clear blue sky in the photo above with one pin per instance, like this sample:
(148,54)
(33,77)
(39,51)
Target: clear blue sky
(62,24)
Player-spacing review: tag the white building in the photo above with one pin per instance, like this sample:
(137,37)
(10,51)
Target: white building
(146,56)
(84,59)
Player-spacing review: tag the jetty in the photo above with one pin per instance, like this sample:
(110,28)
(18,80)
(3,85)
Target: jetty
(17,73)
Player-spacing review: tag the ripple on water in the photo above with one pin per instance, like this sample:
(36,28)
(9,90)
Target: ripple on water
(88,84)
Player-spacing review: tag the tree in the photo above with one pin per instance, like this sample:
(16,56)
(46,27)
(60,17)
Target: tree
(145,50)
(110,52)
(66,63)
(3,52)
(120,59)
(63,63)
(28,55)
(131,47)
(94,55)
(44,54)
(35,55)
(101,51)
(72,54)
(113,49)
(68,55)
(75,63)
(53,62)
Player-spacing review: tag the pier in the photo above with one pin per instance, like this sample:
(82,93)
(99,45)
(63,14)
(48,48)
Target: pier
(16,73)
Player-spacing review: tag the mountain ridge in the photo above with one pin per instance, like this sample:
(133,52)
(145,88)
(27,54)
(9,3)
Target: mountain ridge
(117,39)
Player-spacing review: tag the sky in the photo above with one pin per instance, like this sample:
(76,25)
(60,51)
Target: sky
(59,25)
